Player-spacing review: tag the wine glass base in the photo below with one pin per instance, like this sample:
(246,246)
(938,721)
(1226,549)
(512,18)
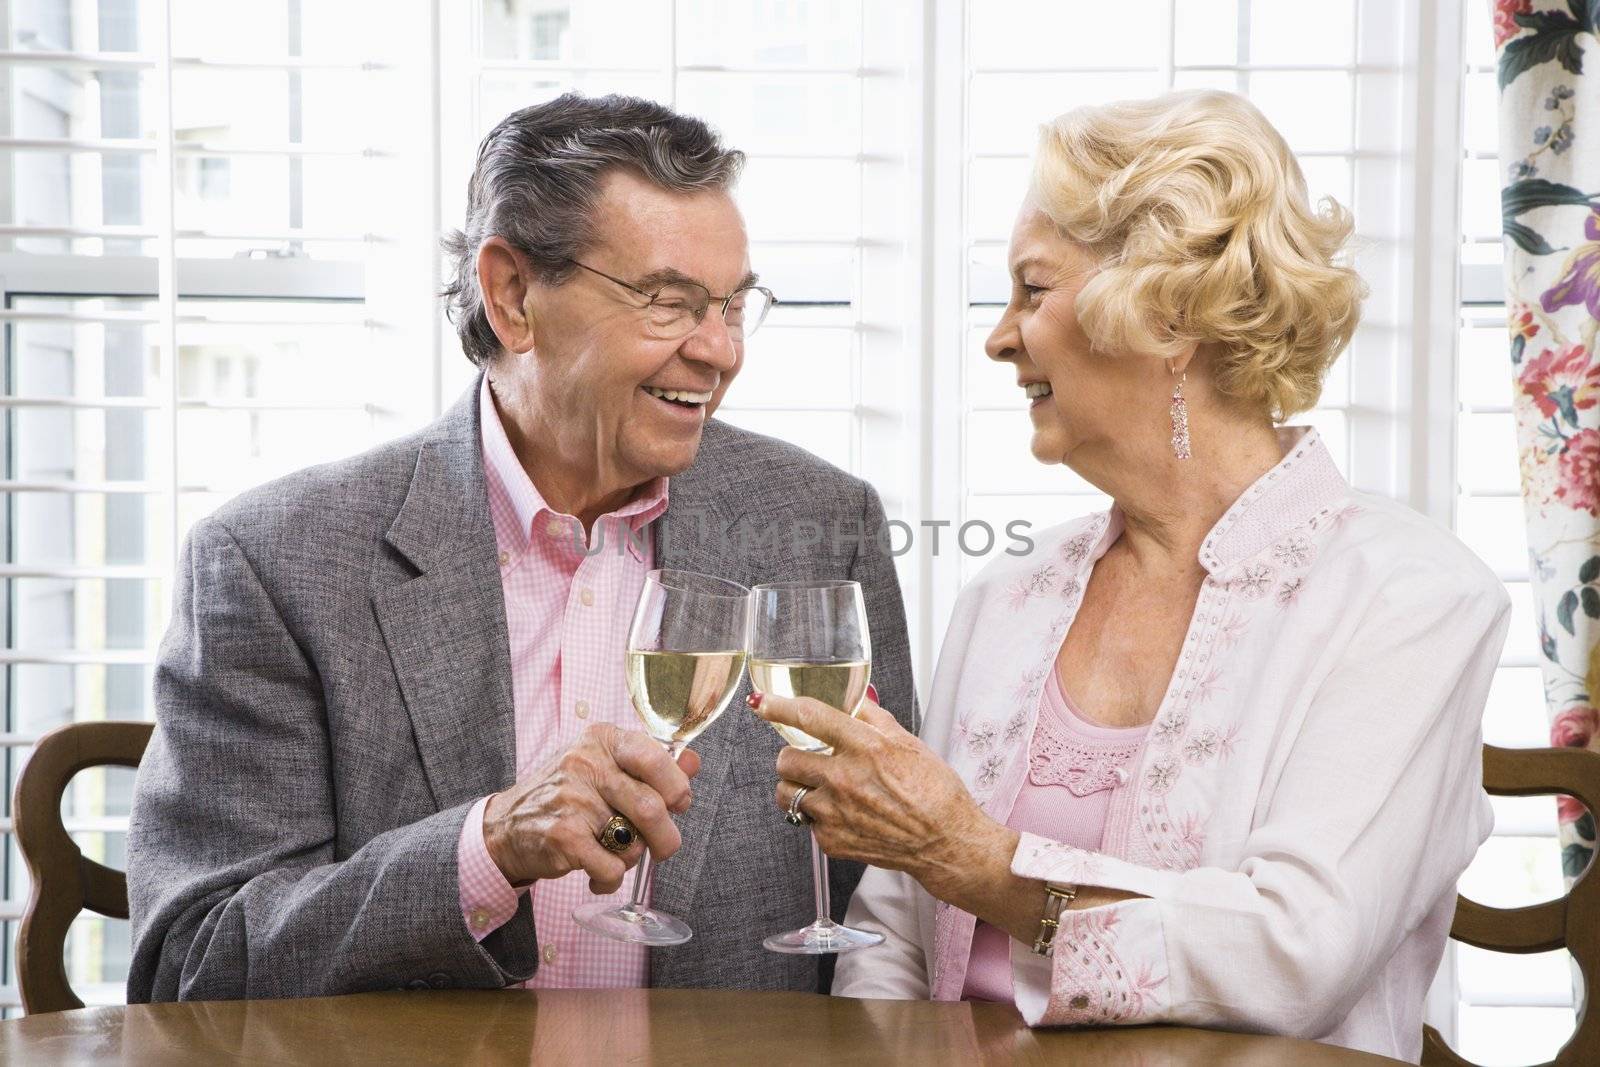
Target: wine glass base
(821,939)
(639,926)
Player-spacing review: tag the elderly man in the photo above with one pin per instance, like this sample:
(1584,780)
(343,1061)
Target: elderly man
(392,719)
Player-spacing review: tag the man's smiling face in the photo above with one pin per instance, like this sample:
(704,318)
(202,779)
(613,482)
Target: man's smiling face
(599,365)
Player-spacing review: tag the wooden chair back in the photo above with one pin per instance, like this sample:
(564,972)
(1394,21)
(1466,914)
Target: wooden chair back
(1571,922)
(65,881)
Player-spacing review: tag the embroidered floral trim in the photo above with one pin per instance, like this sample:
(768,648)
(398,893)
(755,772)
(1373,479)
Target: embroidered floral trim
(1169,728)
(1209,686)
(1333,518)
(1201,747)
(1255,581)
(1016,726)
(1068,863)
(1077,549)
(1092,983)
(964,723)
(1154,837)
(1030,685)
(1040,583)
(980,738)
(1042,580)
(1192,832)
(1295,551)
(1084,765)
(1231,631)
(1162,773)
(1227,741)
(1018,594)
(988,775)
(1289,592)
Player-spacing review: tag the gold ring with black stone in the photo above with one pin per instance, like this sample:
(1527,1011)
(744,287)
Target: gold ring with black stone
(618,834)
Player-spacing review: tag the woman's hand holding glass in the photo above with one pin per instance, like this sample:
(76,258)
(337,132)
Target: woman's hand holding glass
(883,797)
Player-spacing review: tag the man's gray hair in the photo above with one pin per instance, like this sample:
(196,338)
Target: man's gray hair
(537,179)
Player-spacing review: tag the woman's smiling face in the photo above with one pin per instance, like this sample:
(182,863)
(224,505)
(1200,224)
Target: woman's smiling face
(1083,403)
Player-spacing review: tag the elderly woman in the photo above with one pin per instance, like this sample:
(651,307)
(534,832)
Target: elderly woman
(1211,757)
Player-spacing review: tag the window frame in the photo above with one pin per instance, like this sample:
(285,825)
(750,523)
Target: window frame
(30,276)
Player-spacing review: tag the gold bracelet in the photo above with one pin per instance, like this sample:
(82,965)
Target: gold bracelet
(1056,897)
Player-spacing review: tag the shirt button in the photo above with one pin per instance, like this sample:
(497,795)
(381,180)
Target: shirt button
(556,528)
(505,557)
(549,953)
(581,709)
(480,918)
(587,596)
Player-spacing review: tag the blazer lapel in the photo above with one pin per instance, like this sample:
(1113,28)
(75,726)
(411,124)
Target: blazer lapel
(688,536)
(445,628)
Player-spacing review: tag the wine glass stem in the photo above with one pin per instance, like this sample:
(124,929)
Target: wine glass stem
(641,877)
(641,873)
(819,881)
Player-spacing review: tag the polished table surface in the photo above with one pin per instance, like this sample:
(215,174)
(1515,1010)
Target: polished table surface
(667,1026)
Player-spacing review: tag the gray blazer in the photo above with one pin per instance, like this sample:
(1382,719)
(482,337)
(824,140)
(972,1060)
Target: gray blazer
(335,692)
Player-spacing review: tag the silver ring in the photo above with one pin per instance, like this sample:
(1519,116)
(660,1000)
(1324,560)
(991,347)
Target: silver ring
(795,816)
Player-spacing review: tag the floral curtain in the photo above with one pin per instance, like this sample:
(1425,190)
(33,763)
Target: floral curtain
(1549,73)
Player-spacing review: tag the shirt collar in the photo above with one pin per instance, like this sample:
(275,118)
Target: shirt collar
(1304,482)
(515,503)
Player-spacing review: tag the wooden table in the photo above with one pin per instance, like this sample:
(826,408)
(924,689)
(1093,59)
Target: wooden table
(666,1026)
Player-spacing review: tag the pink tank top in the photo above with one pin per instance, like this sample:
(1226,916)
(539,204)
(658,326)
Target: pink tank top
(1074,767)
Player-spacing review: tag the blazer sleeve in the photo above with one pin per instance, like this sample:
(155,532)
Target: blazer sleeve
(233,882)
(1375,812)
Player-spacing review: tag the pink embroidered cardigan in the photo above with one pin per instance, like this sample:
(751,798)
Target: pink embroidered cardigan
(1310,792)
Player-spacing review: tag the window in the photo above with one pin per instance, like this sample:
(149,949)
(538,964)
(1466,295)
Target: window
(1065,55)
(219,259)
(547,29)
(187,310)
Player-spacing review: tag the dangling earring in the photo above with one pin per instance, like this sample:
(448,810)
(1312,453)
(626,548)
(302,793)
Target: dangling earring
(1180,420)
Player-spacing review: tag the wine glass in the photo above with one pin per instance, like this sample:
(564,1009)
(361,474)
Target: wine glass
(810,639)
(686,651)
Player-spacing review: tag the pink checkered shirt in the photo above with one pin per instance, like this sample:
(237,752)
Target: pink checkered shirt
(567,617)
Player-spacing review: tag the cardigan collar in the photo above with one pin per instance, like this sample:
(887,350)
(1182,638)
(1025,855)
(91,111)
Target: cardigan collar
(1305,482)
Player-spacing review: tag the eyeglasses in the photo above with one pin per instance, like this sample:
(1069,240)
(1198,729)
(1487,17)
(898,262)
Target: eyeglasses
(677,308)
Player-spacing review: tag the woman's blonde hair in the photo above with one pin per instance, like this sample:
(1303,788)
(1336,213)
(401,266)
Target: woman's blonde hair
(1198,214)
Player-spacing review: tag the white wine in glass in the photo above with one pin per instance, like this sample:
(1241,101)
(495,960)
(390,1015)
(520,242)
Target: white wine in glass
(838,685)
(810,639)
(686,650)
(679,694)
